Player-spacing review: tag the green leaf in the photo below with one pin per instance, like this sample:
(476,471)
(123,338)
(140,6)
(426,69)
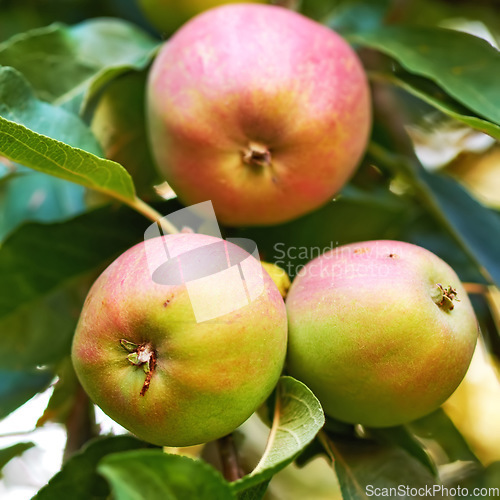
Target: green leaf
(466,67)
(486,314)
(433,95)
(7,454)
(346,14)
(468,221)
(19,104)
(112,42)
(127,49)
(157,476)
(358,15)
(256,492)
(439,427)
(62,399)
(46,271)
(451,450)
(426,230)
(36,148)
(473,224)
(297,419)
(402,436)
(18,386)
(119,123)
(31,195)
(62,63)
(47,58)
(56,158)
(363,465)
(493,479)
(316,9)
(78,478)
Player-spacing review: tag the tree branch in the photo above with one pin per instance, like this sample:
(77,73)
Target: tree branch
(229,458)
(80,424)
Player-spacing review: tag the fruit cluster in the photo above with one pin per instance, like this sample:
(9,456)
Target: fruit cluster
(267,114)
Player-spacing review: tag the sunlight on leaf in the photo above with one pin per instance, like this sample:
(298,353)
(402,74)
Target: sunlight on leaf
(298,417)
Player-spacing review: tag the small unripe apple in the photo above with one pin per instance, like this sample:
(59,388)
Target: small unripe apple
(142,354)
(259,109)
(381,331)
(168,15)
(279,276)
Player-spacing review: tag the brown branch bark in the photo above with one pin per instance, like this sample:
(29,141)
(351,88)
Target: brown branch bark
(229,458)
(80,424)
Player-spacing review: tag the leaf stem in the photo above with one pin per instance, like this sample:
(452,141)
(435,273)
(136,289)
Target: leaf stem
(274,429)
(150,213)
(336,457)
(327,445)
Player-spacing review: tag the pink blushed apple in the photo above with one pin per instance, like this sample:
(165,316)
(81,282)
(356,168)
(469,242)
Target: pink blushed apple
(259,109)
(143,357)
(381,331)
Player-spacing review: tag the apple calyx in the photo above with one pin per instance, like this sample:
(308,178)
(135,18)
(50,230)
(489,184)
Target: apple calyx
(446,297)
(141,355)
(257,155)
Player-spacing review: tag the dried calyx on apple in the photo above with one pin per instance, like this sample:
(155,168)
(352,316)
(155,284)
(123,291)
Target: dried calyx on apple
(143,356)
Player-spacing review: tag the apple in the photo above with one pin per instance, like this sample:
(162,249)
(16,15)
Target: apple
(168,15)
(259,109)
(279,276)
(143,355)
(381,331)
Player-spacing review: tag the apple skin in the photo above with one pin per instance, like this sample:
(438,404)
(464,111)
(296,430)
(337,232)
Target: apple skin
(209,376)
(368,336)
(168,15)
(279,276)
(259,109)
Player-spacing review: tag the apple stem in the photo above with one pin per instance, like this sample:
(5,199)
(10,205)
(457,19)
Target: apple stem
(257,155)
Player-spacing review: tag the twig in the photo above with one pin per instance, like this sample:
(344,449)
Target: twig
(18,433)
(80,424)
(229,458)
(476,288)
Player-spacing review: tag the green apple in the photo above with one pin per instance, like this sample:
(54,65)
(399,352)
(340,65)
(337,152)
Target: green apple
(279,276)
(381,331)
(168,15)
(144,356)
(259,109)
